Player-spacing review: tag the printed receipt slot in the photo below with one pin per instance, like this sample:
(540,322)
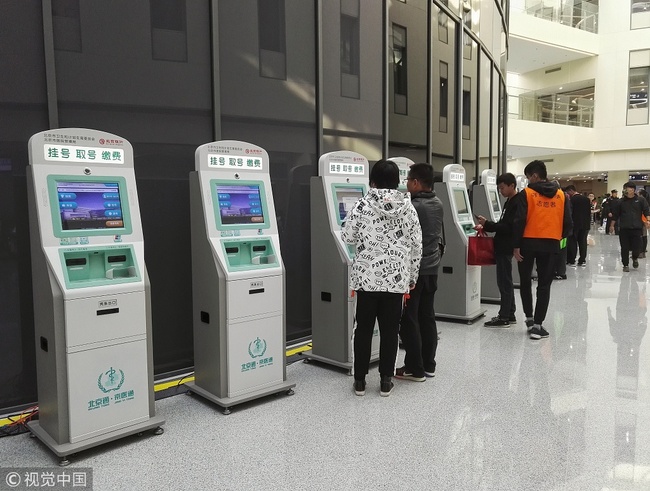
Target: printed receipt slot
(238,285)
(91,290)
(342,179)
(459,297)
(487,202)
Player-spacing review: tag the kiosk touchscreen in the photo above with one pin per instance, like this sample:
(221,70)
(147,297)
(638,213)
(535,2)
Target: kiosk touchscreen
(342,179)
(238,287)
(486,202)
(92,302)
(460,295)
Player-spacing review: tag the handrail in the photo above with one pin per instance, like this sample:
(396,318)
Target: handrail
(555,110)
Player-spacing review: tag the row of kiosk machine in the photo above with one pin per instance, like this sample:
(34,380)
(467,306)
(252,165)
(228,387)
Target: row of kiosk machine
(92,294)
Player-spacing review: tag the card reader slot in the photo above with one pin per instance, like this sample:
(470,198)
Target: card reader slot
(232,250)
(108,311)
(116,259)
(75,261)
(259,248)
(256,290)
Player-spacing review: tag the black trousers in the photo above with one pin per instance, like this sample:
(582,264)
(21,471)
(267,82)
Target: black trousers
(418,328)
(577,242)
(386,309)
(630,239)
(506,287)
(545,272)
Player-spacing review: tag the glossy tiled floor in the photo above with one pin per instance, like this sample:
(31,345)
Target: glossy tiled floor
(571,412)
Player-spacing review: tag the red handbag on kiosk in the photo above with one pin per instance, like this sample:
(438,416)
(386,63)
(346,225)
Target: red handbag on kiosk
(480,251)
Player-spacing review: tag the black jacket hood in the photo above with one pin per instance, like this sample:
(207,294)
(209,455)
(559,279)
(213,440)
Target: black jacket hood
(545,188)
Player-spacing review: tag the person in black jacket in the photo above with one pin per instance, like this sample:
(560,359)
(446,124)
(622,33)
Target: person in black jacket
(507,185)
(581,215)
(627,213)
(418,328)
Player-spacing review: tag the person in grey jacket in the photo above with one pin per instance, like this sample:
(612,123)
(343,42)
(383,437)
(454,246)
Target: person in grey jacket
(384,229)
(418,328)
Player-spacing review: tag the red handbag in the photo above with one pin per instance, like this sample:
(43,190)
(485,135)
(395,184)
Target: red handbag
(480,251)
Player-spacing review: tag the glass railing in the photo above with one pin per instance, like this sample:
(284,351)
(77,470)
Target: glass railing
(553,109)
(584,18)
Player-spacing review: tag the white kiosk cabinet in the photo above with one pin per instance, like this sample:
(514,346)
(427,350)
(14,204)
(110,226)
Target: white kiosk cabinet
(459,292)
(92,307)
(487,203)
(238,285)
(342,179)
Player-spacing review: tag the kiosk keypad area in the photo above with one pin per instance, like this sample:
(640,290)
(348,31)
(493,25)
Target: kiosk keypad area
(91,289)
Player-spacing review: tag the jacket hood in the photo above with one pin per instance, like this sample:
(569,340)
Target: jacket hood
(390,202)
(545,188)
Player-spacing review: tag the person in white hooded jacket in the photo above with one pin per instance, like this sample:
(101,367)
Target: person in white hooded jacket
(384,229)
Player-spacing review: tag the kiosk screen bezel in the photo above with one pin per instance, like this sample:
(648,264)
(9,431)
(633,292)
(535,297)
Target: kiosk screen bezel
(57,224)
(462,214)
(337,186)
(214,183)
(496,205)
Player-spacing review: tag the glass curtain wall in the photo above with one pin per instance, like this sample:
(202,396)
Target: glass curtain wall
(23,112)
(267,67)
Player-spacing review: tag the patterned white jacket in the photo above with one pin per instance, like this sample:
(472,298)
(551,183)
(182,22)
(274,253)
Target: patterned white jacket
(383,227)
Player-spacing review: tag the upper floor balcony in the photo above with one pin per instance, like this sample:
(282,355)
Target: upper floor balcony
(579,14)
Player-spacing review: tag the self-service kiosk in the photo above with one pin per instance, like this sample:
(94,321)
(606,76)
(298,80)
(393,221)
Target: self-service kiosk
(92,307)
(238,282)
(486,202)
(342,179)
(459,293)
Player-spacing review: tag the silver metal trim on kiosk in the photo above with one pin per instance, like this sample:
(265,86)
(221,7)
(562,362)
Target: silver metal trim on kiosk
(238,280)
(455,276)
(342,179)
(92,302)
(486,202)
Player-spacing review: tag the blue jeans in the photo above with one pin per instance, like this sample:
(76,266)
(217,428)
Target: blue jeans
(504,282)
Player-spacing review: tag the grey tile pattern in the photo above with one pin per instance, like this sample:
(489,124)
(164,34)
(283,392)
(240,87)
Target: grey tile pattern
(571,412)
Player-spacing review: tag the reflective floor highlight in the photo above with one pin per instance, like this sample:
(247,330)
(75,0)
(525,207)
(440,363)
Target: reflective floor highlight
(571,412)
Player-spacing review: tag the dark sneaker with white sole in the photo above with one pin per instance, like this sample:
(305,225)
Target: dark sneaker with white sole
(497,322)
(529,324)
(538,333)
(626,269)
(429,374)
(386,386)
(360,387)
(404,374)
(635,263)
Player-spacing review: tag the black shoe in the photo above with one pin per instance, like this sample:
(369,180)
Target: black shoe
(573,265)
(497,322)
(538,333)
(429,374)
(626,269)
(405,374)
(512,319)
(386,386)
(582,264)
(560,277)
(635,263)
(360,387)
(529,324)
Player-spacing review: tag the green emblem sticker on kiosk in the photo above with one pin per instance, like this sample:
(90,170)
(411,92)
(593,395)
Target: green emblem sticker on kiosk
(257,348)
(109,380)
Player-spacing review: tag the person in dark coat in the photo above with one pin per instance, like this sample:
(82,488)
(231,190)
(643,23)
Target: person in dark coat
(581,215)
(628,214)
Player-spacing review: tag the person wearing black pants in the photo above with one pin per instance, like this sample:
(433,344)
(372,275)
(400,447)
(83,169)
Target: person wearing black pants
(418,328)
(542,218)
(628,215)
(581,216)
(384,229)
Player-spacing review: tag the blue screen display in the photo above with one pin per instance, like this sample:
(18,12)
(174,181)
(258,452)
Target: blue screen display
(240,204)
(89,205)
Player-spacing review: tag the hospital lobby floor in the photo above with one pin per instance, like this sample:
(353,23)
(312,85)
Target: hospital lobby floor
(571,412)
